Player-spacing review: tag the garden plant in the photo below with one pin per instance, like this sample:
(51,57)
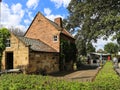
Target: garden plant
(106,79)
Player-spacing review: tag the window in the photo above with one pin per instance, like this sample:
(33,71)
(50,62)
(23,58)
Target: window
(8,43)
(55,38)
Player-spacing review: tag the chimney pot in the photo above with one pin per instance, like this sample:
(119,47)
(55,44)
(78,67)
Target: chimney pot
(58,21)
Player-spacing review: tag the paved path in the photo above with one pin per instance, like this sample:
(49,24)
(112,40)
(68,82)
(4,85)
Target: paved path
(82,75)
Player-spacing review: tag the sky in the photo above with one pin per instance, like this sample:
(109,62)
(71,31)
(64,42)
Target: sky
(20,13)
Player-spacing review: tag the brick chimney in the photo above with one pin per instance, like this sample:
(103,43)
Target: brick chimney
(58,21)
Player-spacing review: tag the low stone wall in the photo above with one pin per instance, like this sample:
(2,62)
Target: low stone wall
(43,62)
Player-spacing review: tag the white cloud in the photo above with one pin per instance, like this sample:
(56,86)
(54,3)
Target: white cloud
(100,43)
(27,21)
(17,9)
(50,16)
(32,3)
(66,3)
(59,3)
(47,11)
(12,16)
(30,15)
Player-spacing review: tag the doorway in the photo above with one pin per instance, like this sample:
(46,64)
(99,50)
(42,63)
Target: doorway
(9,60)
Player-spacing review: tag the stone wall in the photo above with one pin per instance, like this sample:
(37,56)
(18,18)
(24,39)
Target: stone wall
(42,29)
(48,62)
(20,53)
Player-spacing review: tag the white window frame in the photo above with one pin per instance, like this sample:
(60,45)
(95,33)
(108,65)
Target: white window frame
(55,38)
(8,43)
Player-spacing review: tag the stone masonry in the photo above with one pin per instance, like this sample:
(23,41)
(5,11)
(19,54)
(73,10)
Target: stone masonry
(42,29)
(20,53)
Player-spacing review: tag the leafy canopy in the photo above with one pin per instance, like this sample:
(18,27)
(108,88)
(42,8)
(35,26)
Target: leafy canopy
(4,34)
(92,19)
(111,48)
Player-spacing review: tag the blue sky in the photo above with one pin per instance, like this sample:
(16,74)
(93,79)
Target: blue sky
(20,13)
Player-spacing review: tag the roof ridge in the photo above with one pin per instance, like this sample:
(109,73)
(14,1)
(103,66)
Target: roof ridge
(52,23)
(68,33)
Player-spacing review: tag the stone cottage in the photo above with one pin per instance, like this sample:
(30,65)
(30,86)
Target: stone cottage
(40,47)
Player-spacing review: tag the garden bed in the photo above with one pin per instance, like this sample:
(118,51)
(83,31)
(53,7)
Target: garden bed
(106,79)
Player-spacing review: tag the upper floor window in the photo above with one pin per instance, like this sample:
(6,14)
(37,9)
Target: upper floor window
(8,43)
(55,38)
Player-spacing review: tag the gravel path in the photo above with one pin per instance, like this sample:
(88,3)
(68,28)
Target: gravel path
(81,75)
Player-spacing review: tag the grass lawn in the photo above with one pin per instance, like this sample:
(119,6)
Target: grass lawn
(107,79)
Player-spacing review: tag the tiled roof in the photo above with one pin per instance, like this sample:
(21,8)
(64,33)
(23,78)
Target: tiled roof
(36,45)
(67,33)
(63,31)
(54,24)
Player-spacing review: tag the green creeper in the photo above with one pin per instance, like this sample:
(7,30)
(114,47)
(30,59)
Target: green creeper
(4,34)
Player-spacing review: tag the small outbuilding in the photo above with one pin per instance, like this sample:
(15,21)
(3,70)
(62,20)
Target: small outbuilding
(97,57)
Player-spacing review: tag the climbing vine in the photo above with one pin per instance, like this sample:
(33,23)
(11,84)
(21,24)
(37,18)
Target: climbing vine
(4,34)
(68,50)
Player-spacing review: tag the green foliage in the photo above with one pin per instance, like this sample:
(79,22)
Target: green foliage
(36,82)
(111,48)
(68,50)
(92,19)
(83,60)
(101,51)
(4,34)
(95,16)
(117,37)
(107,79)
(90,48)
(81,46)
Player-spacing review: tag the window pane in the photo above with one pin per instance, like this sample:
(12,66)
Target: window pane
(55,38)
(8,43)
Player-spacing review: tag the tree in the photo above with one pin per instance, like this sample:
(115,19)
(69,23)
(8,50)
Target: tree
(17,31)
(90,48)
(93,19)
(4,34)
(111,48)
(117,37)
(100,51)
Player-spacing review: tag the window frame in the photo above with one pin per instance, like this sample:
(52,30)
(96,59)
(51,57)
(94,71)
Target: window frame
(8,43)
(55,38)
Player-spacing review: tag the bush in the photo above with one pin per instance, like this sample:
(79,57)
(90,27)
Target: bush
(107,79)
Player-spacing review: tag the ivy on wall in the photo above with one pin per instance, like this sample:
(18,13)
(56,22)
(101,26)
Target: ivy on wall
(4,34)
(68,50)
